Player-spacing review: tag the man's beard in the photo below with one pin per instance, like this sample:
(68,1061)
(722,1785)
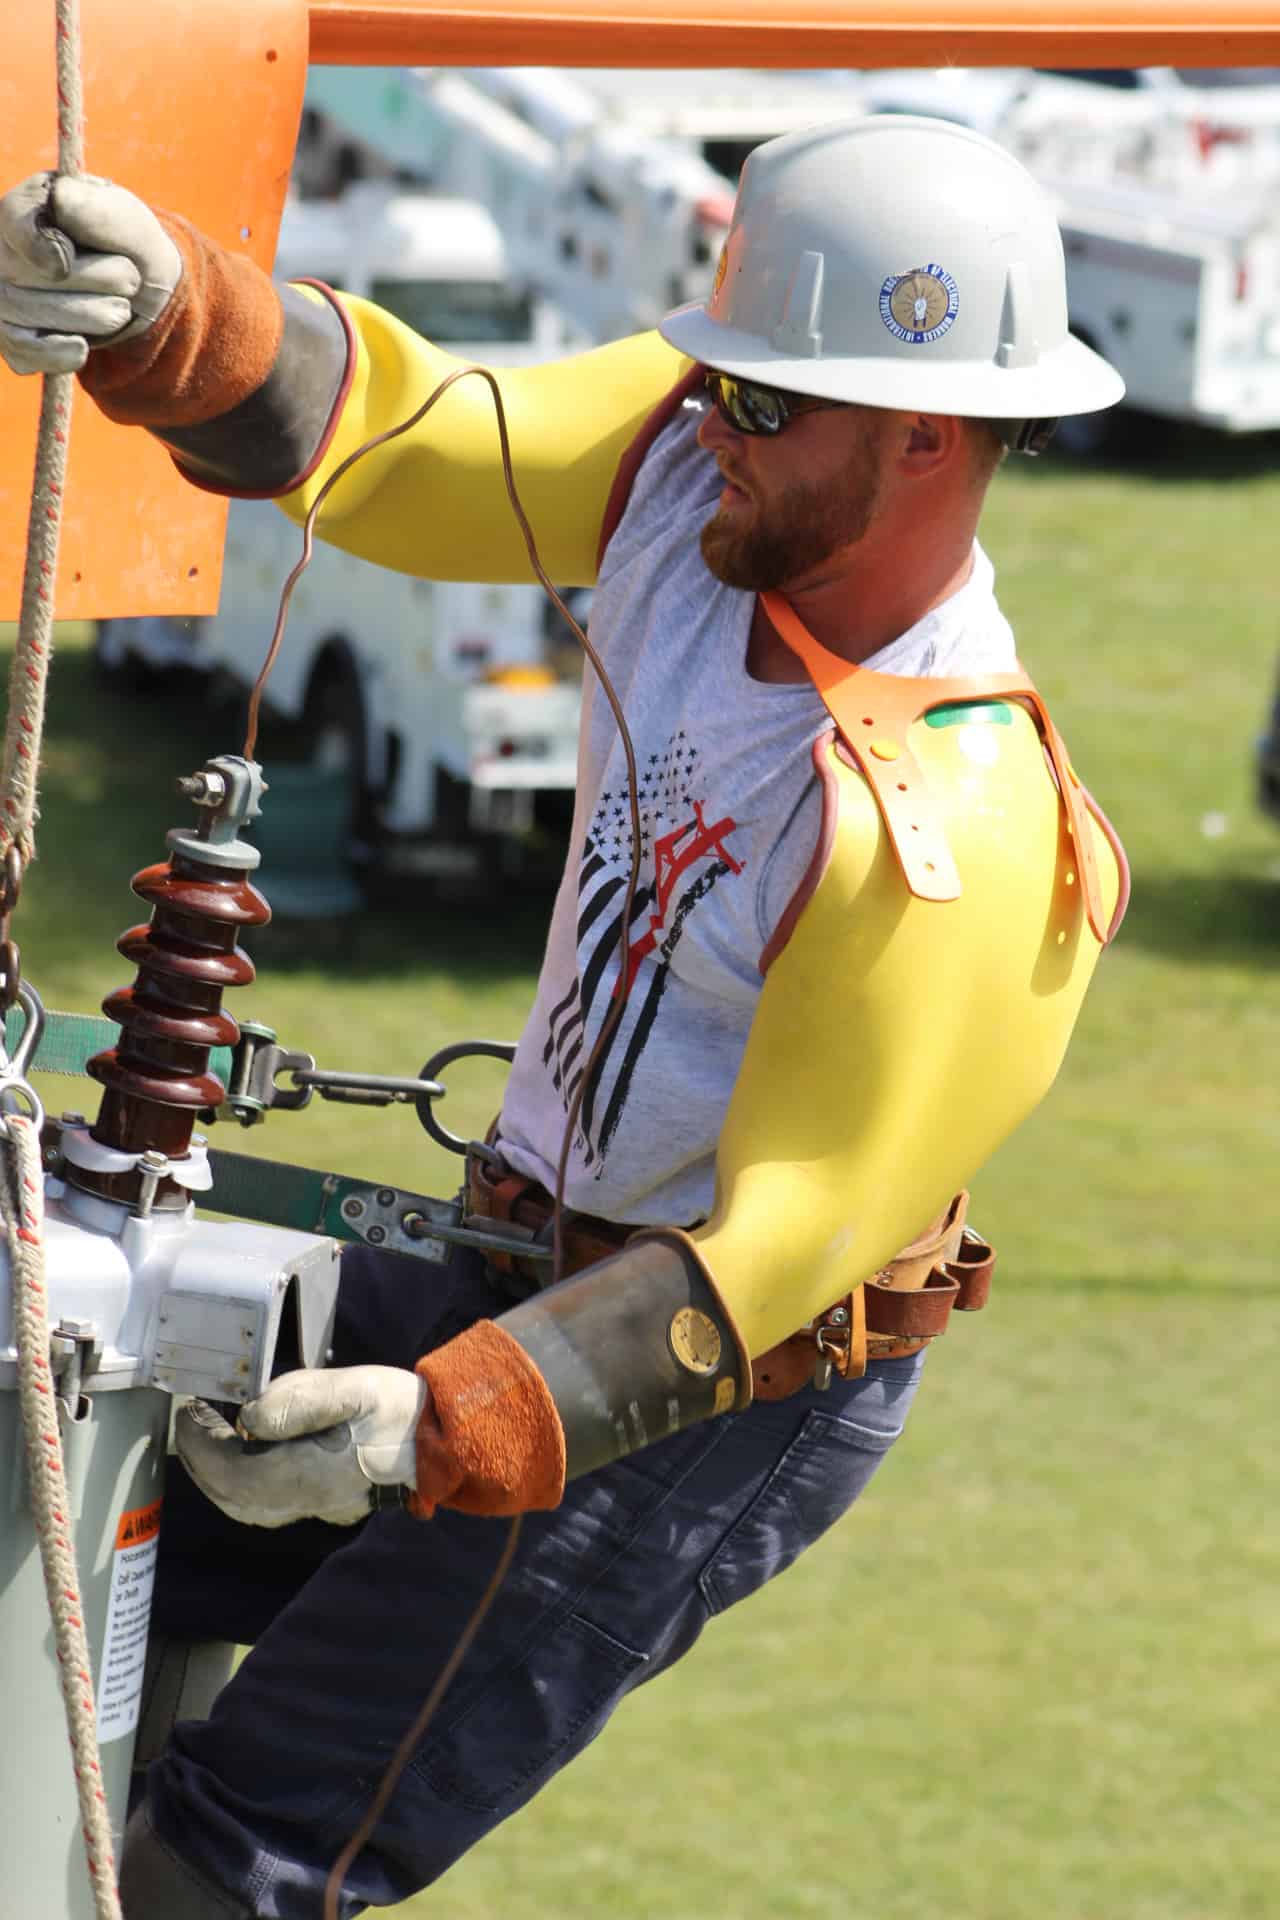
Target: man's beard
(800,530)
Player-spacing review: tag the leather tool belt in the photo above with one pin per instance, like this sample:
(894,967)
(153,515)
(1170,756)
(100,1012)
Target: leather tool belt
(896,1312)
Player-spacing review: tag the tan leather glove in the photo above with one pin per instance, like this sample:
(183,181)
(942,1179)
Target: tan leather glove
(83,264)
(315,1445)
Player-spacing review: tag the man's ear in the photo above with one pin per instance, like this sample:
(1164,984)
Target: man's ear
(932,440)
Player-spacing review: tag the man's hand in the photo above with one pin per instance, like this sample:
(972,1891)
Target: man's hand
(83,264)
(330,1438)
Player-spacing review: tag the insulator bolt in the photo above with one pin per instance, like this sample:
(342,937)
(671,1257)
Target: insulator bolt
(386,1196)
(838,1316)
(352,1209)
(206,789)
(154,1161)
(376,1236)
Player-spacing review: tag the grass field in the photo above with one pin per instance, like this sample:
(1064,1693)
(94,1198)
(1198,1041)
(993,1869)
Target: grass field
(1033,1677)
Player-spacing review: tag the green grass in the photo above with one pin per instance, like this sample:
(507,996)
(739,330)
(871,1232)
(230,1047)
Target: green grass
(1033,1676)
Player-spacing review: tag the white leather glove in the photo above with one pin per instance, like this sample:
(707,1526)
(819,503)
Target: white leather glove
(83,263)
(333,1435)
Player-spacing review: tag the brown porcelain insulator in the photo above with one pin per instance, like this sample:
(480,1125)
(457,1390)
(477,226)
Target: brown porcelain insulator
(157,1078)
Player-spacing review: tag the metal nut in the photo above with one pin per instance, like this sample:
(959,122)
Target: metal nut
(352,1208)
(386,1196)
(376,1236)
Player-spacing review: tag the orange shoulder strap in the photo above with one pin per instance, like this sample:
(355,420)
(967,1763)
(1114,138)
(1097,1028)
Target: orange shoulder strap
(874,713)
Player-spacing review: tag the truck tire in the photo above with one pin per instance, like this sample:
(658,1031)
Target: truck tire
(335,734)
(120,662)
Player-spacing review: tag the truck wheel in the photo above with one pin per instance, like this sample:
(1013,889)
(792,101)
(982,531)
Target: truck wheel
(334,736)
(1087,436)
(119,664)
(1117,433)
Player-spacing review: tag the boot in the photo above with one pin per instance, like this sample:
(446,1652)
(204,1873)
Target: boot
(156,1884)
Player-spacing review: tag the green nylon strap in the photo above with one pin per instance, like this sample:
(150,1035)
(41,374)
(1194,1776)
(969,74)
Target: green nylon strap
(70,1040)
(280,1195)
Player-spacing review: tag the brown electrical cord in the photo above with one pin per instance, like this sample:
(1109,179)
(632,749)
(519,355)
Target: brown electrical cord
(404,1751)
(618,1001)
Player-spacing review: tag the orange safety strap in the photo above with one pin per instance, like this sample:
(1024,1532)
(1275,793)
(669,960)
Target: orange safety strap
(874,713)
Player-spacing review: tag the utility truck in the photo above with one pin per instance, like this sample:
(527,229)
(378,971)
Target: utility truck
(1180,296)
(433,714)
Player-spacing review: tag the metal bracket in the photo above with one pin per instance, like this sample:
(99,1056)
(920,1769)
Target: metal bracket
(386,1217)
(75,1348)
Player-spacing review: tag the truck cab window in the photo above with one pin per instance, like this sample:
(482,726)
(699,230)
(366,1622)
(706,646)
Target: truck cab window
(457,312)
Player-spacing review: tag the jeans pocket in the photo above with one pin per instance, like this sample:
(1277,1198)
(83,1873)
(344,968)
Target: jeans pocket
(816,1481)
(528,1721)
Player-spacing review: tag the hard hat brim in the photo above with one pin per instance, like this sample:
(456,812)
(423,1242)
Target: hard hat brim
(1070,378)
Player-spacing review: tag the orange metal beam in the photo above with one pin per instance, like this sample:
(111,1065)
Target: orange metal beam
(796,33)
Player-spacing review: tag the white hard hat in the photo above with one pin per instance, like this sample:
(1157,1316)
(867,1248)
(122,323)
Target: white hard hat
(899,262)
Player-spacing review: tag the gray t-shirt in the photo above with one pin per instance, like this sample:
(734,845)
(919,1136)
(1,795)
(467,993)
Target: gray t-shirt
(729,817)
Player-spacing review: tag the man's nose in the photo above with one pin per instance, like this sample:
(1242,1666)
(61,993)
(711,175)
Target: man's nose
(714,430)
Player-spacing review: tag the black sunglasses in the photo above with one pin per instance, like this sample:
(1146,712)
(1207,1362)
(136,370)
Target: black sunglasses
(748,407)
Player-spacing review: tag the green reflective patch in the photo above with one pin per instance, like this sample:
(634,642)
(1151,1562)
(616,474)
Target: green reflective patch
(966,713)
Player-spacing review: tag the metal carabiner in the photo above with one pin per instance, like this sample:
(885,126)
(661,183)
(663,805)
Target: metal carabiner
(14,1067)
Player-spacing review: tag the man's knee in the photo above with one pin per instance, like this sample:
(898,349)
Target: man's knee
(157,1884)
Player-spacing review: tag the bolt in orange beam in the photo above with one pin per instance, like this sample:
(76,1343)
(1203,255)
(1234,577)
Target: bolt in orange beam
(796,33)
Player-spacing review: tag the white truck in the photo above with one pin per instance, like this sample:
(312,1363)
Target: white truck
(448,707)
(1180,295)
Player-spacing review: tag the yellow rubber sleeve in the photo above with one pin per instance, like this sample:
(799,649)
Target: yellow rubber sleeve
(899,1041)
(433,502)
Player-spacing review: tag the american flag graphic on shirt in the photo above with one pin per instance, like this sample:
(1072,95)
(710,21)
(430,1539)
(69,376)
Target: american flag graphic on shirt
(684,852)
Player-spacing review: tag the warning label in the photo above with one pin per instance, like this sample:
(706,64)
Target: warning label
(124,1652)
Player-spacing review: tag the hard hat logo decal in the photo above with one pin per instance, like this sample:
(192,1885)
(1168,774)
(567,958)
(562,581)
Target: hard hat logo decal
(721,267)
(920,306)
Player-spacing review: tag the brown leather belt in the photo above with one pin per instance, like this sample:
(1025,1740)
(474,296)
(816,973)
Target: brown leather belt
(896,1312)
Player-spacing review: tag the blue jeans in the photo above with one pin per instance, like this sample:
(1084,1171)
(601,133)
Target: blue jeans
(351,1625)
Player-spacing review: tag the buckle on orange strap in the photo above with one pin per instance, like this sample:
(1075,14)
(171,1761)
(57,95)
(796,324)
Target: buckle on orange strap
(840,1336)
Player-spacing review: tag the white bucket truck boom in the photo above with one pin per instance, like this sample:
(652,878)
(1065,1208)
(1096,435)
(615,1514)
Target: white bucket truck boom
(612,187)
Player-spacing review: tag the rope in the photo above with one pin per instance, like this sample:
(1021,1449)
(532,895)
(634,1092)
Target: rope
(30,670)
(23,1194)
(21,1174)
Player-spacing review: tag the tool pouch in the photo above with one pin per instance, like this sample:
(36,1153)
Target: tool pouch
(894,1313)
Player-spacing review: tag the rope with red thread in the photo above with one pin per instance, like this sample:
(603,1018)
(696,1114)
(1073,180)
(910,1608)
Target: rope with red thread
(21,1172)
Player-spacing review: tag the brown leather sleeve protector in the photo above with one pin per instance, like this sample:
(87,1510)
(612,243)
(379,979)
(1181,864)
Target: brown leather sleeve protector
(633,1349)
(489,1440)
(241,378)
(214,344)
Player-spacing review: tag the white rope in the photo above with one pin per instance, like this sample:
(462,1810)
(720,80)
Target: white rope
(30,670)
(24,1220)
(21,1174)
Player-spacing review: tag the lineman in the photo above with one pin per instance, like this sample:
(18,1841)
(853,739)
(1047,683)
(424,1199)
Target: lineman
(846,786)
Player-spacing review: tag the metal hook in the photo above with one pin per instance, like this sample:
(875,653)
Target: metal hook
(14,1066)
(17,1064)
